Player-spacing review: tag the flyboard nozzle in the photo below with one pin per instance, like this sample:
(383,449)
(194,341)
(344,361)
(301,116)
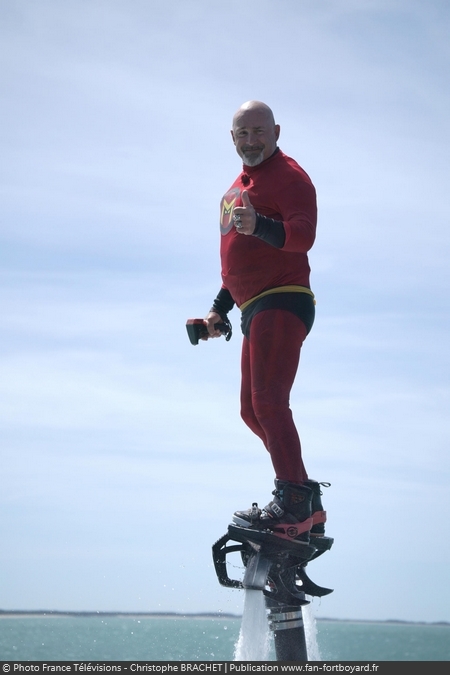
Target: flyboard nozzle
(256,572)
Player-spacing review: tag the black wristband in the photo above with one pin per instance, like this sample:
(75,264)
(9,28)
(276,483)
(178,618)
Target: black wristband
(269,230)
(223,303)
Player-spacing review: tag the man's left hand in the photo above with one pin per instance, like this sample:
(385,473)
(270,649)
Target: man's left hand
(244,216)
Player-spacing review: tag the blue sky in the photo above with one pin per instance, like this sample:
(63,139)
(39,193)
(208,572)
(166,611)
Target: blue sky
(123,453)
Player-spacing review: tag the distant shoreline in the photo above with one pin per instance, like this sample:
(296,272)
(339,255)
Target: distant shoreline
(49,614)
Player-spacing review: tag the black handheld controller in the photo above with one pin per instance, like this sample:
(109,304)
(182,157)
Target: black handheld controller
(197,330)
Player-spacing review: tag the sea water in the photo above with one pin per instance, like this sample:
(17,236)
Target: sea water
(178,638)
(310,626)
(253,643)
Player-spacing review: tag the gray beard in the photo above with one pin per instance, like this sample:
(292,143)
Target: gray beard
(253,161)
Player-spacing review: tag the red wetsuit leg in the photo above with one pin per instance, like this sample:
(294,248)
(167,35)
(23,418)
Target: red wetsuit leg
(270,360)
(247,412)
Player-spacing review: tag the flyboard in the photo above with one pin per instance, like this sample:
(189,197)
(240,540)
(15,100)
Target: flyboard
(276,567)
(272,564)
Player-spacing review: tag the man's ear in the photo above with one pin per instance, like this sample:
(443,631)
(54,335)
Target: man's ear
(232,136)
(277,131)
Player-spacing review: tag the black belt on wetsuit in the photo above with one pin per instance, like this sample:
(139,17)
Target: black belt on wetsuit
(299,302)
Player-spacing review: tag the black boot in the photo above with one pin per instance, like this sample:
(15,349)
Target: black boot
(319,516)
(289,514)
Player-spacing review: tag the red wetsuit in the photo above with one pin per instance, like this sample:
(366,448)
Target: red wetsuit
(274,326)
(279,189)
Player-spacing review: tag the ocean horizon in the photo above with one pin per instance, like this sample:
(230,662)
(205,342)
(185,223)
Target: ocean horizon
(55,635)
(5,613)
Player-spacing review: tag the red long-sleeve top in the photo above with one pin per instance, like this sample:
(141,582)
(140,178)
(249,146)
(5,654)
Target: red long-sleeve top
(279,189)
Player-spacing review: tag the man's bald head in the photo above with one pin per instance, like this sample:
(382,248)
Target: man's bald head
(254,132)
(254,106)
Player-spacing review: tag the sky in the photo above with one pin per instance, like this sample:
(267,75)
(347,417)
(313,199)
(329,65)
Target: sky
(122,450)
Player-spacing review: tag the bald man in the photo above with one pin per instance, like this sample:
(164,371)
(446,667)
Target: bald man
(268,224)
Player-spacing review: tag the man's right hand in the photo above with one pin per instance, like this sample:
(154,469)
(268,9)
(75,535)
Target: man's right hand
(210,319)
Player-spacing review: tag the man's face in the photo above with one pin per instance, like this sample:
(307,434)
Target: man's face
(255,136)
